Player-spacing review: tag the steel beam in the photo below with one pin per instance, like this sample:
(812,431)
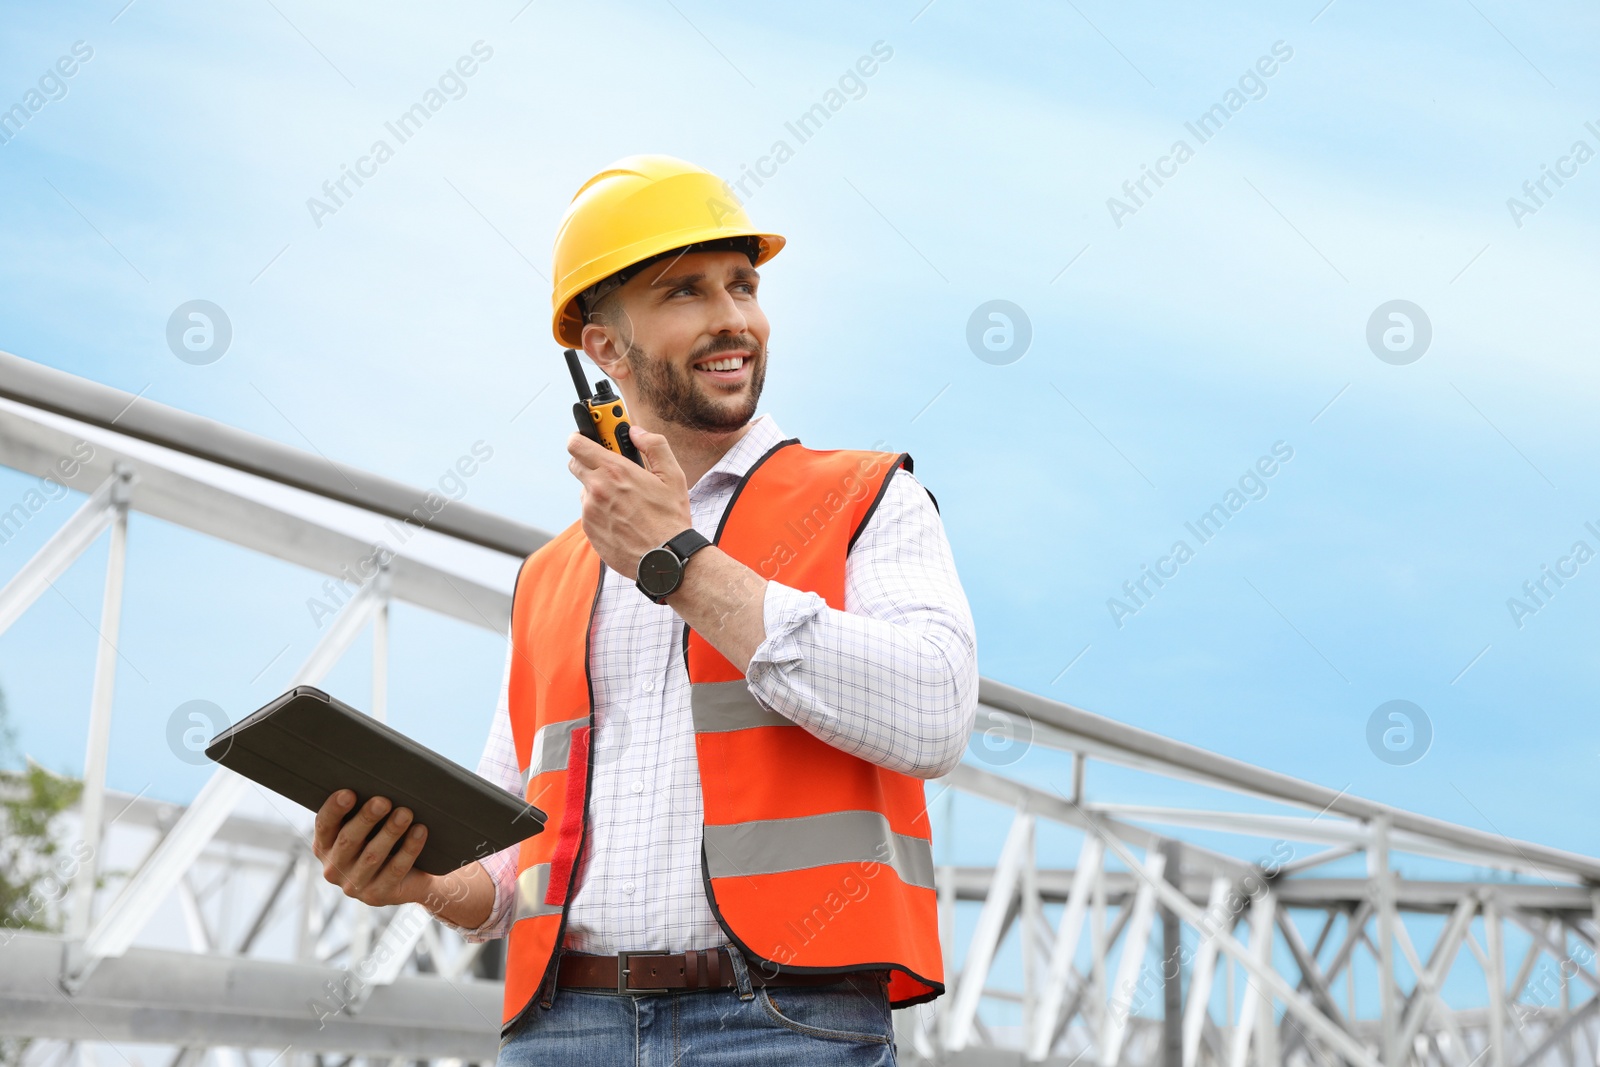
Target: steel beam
(1030,920)
(986,938)
(388,957)
(37,386)
(1065,952)
(158,815)
(1441,897)
(1024,797)
(1269,979)
(157,996)
(30,445)
(1383,893)
(1130,965)
(1561,1031)
(1494,978)
(92,802)
(1172,967)
(114,932)
(1255,1014)
(1347,837)
(1311,975)
(1198,1009)
(1430,979)
(59,552)
(1063,726)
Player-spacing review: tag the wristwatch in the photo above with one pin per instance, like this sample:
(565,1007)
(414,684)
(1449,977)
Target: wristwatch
(661,569)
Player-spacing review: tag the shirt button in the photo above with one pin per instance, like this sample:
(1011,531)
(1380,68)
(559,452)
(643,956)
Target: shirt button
(627,887)
(649,687)
(638,787)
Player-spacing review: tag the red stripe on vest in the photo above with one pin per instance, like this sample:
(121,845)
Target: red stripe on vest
(571,819)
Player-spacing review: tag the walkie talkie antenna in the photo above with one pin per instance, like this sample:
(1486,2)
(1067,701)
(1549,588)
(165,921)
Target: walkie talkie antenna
(578,377)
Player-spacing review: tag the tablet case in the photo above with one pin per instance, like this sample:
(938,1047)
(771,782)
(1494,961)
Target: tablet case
(306,745)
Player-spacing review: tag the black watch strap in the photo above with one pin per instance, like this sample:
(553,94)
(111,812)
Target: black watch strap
(687,544)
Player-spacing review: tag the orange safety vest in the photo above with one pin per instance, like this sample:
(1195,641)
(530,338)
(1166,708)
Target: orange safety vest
(814,860)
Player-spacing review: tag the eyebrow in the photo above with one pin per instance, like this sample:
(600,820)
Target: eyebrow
(740,274)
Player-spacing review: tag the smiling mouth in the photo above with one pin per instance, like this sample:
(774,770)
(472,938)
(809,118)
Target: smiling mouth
(724,367)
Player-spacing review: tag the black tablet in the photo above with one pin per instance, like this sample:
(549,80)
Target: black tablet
(306,746)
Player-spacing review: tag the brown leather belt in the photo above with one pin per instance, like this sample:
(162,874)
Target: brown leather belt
(664,972)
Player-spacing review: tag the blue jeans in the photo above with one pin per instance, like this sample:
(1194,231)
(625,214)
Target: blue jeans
(842,1024)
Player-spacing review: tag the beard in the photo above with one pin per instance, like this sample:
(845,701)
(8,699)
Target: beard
(675,395)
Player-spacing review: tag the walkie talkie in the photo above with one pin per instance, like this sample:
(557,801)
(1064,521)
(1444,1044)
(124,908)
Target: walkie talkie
(601,415)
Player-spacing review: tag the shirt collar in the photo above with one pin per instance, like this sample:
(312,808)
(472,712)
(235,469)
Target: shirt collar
(737,461)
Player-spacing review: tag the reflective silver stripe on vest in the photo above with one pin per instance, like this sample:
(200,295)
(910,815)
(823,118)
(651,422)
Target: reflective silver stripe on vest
(551,745)
(723,706)
(532,884)
(771,846)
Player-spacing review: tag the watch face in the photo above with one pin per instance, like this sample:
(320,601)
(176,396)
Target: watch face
(659,571)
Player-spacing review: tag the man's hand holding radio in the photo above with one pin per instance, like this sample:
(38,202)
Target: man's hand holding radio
(628,510)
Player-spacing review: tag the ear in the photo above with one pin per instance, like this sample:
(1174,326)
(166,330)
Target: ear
(600,345)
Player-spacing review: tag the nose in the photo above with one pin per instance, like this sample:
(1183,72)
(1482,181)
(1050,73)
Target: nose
(727,316)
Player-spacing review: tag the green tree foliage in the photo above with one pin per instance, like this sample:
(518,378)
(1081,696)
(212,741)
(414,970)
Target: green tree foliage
(31,858)
(35,870)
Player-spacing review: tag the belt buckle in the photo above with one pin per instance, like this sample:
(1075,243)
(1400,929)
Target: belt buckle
(623,970)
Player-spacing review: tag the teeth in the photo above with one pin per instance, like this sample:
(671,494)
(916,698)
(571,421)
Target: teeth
(731,363)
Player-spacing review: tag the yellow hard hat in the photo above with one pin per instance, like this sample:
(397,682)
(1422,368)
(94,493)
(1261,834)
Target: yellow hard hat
(632,211)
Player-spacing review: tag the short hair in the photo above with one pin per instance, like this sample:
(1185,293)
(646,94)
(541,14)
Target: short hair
(606,310)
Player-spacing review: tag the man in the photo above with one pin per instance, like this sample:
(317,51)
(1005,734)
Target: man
(725,686)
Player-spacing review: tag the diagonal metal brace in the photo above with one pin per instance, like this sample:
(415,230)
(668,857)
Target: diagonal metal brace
(64,547)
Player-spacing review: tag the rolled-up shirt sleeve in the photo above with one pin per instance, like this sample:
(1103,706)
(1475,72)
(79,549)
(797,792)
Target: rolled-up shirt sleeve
(893,678)
(499,765)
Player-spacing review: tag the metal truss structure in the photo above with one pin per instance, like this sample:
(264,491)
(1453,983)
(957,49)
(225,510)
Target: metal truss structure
(1273,928)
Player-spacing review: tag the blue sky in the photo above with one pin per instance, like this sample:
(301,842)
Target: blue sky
(1172,346)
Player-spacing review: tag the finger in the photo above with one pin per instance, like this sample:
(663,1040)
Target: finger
(657,453)
(353,835)
(586,473)
(394,872)
(586,452)
(329,816)
(644,441)
(376,853)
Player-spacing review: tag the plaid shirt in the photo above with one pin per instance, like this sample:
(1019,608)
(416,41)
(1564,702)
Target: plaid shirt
(892,679)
